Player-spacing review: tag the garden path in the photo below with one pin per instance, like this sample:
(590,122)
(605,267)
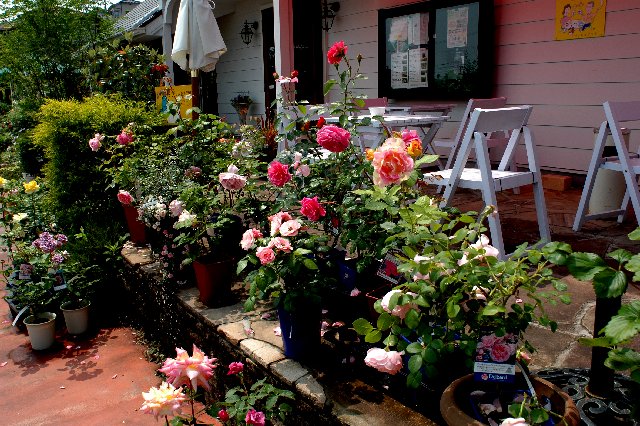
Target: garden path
(89,380)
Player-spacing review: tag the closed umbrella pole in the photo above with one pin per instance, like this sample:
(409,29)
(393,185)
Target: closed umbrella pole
(198,44)
(195,93)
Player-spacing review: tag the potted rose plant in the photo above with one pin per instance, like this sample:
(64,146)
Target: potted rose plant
(285,269)
(455,299)
(207,224)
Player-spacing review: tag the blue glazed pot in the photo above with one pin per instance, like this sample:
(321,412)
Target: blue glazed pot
(301,330)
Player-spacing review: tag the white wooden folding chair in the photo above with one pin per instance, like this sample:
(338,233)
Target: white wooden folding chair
(513,121)
(628,164)
(454,144)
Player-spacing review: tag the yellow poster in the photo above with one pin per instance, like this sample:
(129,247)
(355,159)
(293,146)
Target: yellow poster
(580,18)
(180,95)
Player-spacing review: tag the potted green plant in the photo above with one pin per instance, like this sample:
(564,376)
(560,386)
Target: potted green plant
(76,299)
(241,104)
(207,224)
(39,285)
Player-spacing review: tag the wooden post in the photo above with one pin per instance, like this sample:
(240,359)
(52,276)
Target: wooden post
(601,377)
(195,93)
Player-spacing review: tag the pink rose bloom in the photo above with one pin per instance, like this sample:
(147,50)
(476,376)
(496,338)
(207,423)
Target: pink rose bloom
(281,244)
(514,422)
(189,370)
(276,221)
(163,401)
(125,198)
(409,135)
(290,228)
(399,311)
(176,207)
(278,173)
(303,170)
(311,208)
(500,352)
(255,418)
(483,243)
(235,368)
(249,238)
(384,361)
(266,255)
(125,137)
(391,163)
(96,142)
(333,138)
(489,341)
(355,292)
(337,52)
(231,180)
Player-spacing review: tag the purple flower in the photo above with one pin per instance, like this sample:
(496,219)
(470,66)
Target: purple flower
(57,258)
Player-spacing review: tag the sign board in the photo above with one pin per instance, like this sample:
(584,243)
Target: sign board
(180,95)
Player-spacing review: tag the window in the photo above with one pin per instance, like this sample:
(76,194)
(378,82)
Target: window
(436,49)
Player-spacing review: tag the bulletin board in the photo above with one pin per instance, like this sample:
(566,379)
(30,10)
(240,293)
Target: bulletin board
(436,49)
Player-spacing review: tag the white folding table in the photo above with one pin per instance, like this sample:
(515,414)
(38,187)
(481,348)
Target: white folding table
(375,131)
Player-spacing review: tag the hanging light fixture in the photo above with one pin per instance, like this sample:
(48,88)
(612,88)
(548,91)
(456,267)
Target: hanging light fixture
(329,13)
(247,31)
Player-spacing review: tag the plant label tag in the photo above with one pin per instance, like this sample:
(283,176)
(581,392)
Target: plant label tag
(496,358)
(60,283)
(388,269)
(25,271)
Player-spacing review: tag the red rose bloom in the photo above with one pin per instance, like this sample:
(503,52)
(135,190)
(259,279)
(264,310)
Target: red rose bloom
(311,208)
(278,173)
(294,74)
(235,368)
(333,138)
(223,415)
(321,122)
(337,52)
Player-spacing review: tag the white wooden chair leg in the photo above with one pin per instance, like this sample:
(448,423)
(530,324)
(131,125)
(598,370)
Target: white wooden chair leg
(489,194)
(624,207)
(541,210)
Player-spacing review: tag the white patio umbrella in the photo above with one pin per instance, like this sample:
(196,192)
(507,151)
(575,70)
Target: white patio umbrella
(197,44)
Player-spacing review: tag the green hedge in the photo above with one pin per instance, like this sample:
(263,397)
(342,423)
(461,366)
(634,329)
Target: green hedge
(79,195)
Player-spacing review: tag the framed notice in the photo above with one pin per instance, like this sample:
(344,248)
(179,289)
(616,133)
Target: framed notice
(435,49)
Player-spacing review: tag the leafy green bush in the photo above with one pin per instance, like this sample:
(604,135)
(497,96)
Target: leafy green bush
(73,170)
(119,67)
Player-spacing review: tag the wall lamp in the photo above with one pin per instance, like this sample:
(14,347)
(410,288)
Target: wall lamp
(247,31)
(329,13)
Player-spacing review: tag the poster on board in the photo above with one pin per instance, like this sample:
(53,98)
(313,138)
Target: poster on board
(407,38)
(580,19)
(180,95)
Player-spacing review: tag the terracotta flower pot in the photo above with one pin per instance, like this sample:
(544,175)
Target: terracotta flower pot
(213,279)
(455,405)
(136,227)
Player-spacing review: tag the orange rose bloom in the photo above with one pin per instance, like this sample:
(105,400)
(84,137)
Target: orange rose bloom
(391,163)
(414,148)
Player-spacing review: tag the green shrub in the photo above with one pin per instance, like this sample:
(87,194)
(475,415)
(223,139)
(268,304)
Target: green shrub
(78,184)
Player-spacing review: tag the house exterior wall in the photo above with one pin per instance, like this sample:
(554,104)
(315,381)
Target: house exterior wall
(565,81)
(240,70)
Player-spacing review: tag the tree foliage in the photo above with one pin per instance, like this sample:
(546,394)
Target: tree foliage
(45,43)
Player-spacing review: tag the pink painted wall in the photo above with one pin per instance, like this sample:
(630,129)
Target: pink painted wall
(566,81)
